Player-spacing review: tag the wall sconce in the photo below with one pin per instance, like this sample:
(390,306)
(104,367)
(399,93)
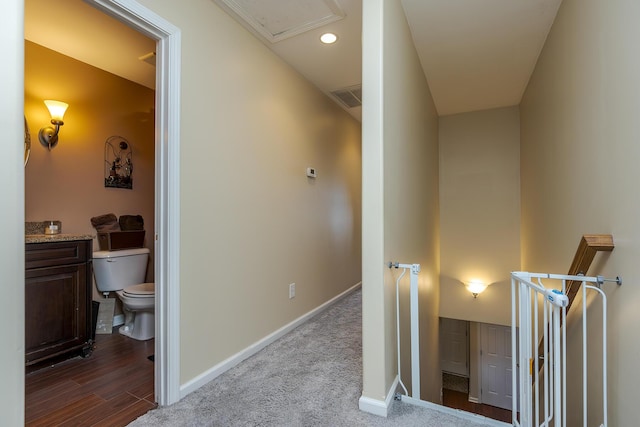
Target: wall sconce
(476,287)
(48,135)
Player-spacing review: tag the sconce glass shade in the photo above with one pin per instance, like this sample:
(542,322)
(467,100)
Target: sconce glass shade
(48,135)
(475,287)
(56,109)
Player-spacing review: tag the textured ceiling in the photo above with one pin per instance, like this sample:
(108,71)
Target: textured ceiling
(476,54)
(82,32)
(276,20)
(329,67)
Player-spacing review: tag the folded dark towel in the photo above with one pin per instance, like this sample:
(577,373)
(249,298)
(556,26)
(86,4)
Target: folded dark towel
(131,223)
(105,223)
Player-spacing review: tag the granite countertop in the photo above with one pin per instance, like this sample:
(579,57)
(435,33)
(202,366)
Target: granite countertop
(62,237)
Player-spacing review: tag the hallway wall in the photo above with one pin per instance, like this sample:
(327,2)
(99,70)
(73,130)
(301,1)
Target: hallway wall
(400,199)
(479,212)
(580,151)
(251,222)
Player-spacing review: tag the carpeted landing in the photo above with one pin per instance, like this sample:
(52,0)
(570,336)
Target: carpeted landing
(310,377)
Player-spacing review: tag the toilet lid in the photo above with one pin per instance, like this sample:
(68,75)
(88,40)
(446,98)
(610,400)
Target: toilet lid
(141,290)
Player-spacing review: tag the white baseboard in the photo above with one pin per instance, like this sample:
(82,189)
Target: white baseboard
(473,399)
(225,365)
(378,407)
(479,419)
(373,406)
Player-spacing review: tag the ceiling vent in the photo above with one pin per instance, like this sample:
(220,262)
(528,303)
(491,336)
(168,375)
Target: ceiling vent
(276,20)
(349,97)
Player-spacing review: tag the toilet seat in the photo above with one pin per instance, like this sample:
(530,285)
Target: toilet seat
(142,290)
(138,303)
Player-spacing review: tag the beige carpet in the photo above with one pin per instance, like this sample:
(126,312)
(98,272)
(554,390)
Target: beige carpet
(310,377)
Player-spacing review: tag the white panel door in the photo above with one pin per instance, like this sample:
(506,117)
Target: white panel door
(454,344)
(495,344)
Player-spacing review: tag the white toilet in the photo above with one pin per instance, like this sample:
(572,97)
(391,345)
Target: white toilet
(124,271)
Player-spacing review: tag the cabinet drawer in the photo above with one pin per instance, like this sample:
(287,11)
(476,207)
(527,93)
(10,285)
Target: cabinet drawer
(57,253)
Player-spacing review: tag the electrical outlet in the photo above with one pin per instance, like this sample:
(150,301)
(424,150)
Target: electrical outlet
(292,290)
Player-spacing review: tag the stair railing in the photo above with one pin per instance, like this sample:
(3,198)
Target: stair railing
(589,246)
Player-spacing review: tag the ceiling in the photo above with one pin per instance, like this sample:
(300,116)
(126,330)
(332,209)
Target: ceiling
(476,54)
(78,30)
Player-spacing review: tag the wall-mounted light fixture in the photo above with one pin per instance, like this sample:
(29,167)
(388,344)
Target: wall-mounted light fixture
(476,287)
(49,135)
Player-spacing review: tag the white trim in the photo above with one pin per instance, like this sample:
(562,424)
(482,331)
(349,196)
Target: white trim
(167,195)
(373,406)
(232,361)
(456,412)
(474,399)
(379,407)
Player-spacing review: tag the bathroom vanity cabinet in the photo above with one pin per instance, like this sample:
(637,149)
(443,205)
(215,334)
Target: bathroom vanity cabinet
(57,299)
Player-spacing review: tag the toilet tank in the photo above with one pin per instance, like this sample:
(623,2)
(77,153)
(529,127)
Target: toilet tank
(115,270)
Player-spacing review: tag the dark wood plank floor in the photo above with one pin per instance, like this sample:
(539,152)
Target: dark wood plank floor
(112,387)
(459,400)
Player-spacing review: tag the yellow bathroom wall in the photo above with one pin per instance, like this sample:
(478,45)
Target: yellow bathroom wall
(67,183)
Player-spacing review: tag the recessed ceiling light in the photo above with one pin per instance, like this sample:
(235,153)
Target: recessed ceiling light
(328,38)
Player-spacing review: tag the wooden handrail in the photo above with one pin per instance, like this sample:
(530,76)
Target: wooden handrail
(589,246)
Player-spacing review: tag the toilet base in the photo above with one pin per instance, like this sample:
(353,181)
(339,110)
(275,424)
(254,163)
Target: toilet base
(141,328)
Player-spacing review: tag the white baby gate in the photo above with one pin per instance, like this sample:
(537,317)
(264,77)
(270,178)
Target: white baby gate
(415,327)
(413,398)
(529,298)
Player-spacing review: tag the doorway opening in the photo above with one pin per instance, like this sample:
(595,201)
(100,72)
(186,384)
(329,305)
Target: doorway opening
(468,355)
(166,214)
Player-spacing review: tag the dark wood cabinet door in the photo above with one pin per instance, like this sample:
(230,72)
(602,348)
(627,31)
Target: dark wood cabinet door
(56,311)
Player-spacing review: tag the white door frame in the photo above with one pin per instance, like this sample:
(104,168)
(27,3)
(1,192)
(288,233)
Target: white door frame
(167,188)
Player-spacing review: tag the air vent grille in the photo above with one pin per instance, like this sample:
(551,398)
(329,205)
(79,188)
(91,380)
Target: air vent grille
(350,97)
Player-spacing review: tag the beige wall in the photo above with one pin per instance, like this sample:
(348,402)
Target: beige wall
(400,192)
(67,183)
(251,221)
(377,329)
(580,150)
(12,223)
(479,212)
